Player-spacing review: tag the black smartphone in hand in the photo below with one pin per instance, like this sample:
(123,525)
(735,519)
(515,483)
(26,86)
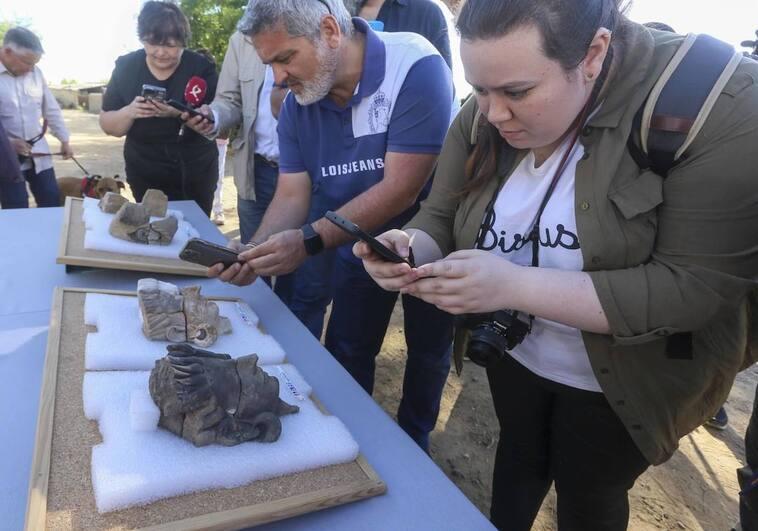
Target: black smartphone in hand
(185,108)
(208,254)
(376,246)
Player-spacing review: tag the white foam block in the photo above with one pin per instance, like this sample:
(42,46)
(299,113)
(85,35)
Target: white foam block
(139,467)
(119,343)
(143,413)
(97,237)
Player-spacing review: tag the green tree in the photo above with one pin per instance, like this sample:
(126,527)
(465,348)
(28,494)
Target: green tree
(212,23)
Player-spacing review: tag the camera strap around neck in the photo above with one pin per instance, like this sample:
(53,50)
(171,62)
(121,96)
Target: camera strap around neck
(534,233)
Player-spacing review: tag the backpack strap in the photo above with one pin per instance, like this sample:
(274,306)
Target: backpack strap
(682,99)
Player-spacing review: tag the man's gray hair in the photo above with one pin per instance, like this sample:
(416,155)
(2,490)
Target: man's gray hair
(301,18)
(19,37)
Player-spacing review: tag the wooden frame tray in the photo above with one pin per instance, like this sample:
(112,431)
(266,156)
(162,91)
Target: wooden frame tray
(60,488)
(71,250)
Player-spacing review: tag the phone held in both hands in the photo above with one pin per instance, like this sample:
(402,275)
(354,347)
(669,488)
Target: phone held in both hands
(208,254)
(376,246)
(153,92)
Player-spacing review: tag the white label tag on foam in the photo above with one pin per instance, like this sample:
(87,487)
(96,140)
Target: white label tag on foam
(290,385)
(243,314)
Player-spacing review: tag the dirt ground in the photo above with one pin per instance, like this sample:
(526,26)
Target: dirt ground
(696,489)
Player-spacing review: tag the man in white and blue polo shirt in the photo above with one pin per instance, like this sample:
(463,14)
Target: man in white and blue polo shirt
(359,133)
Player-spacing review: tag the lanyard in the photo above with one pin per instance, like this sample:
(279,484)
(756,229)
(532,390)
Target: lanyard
(534,233)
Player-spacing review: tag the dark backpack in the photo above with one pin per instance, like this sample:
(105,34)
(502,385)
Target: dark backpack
(668,122)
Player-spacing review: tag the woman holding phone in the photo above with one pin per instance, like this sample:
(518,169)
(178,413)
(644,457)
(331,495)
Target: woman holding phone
(158,152)
(619,295)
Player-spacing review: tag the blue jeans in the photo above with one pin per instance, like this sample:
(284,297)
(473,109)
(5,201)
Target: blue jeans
(311,291)
(251,213)
(43,185)
(361,312)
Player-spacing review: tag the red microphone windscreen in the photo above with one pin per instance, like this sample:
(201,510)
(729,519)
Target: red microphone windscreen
(194,92)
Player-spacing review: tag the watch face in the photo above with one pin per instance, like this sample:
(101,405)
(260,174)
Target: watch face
(312,240)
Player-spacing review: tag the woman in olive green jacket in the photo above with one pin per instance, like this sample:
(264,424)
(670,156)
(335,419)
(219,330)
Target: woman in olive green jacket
(636,313)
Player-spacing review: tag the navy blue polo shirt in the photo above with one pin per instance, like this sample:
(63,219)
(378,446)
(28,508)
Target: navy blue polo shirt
(402,104)
(418,16)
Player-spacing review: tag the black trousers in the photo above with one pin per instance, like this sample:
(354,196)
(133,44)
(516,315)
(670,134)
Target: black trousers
(554,433)
(180,170)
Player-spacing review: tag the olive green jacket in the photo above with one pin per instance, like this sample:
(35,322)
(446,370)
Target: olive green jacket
(666,256)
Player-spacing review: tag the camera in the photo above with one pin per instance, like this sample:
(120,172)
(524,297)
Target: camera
(153,92)
(491,335)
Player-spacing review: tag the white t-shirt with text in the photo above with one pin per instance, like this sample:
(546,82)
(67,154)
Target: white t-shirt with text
(552,350)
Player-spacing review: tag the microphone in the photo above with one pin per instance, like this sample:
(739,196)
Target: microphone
(194,92)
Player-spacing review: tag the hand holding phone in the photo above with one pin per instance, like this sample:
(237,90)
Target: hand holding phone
(208,254)
(375,245)
(192,112)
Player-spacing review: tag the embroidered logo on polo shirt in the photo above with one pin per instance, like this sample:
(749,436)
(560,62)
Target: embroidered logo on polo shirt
(352,167)
(379,112)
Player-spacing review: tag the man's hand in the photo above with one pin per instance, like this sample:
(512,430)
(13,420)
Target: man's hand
(21,146)
(282,253)
(238,274)
(66,150)
(141,108)
(198,123)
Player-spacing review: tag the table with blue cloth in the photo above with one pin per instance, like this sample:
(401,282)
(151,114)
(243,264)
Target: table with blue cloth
(419,496)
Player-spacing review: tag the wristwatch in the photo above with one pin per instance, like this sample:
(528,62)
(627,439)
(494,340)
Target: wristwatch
(312,240)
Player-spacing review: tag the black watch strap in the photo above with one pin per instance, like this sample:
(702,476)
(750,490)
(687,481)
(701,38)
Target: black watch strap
(312,240)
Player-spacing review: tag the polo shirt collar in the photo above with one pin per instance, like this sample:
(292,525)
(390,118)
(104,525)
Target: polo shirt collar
(374,63)
(627,86)
(401,2)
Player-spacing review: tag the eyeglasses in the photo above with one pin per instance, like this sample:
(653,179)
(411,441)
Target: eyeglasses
(327,6)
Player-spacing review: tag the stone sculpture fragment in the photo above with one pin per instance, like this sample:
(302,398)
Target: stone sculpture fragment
(178,315)
(209,398)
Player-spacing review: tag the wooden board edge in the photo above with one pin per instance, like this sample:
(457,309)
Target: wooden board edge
(106,263)
(180,268)
(301,504)
(36,508)
(63,243)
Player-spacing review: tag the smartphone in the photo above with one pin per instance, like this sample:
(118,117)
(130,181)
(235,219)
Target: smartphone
(208,253)
(379,248)
(153,92)
(185,108)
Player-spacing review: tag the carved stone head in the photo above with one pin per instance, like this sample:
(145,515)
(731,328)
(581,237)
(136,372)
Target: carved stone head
(208,398)
(178,315)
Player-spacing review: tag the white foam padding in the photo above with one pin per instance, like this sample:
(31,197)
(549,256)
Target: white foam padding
(97,237)
(139,467)
(143,413)
(120,344)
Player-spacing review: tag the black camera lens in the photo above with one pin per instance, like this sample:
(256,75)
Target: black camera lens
(493,335)
(487,345)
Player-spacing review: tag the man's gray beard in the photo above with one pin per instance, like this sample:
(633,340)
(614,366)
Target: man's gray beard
(322,82)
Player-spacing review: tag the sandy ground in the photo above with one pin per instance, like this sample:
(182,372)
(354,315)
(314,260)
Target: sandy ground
(696,489)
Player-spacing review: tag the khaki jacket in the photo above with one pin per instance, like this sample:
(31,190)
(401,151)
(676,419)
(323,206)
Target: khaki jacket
(236,102)
(666,256)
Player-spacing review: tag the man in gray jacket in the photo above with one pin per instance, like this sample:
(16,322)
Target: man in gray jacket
(244,97)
